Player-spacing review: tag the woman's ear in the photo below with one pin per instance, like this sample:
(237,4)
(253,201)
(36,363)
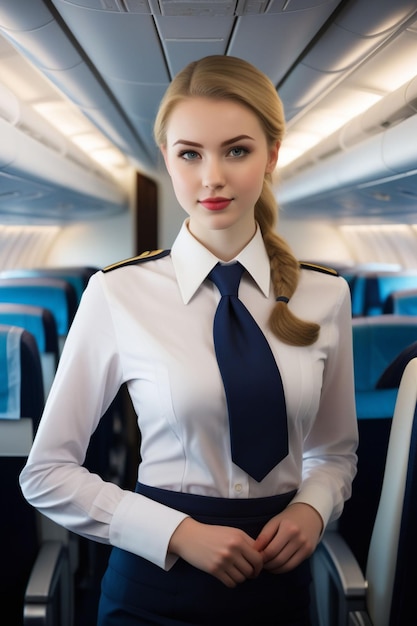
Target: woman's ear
(273,158)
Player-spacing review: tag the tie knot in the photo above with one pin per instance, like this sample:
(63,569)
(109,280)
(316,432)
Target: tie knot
(227,278)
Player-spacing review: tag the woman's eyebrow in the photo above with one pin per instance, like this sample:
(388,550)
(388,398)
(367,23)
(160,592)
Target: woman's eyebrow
(194,144)
(187,143)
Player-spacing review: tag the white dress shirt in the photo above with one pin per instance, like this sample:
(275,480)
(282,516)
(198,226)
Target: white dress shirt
(150,325)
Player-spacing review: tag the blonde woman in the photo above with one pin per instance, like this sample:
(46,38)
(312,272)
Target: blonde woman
(202,541)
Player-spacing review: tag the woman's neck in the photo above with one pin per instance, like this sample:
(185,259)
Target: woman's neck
(224,244)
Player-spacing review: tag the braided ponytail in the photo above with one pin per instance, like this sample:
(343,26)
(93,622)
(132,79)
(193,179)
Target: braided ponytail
(285,271)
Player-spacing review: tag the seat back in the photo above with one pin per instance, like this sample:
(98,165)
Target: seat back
(50,293)
(391,376)
(377,340)
(77,276)
(402,302)
(21,403)
(19,542)
(21,380)
(370,290)
(403,594)
(393,544)
(35,319)
(387,596)
(41,324)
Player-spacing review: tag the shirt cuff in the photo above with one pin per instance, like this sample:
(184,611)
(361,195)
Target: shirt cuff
(144,527)
(317,497)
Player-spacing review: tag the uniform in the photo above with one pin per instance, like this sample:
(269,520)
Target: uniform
(149,324)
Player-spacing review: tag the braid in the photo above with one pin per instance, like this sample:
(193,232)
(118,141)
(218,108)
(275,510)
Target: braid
(285,272)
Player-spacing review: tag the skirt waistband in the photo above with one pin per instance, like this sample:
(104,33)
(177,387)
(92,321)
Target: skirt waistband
(197,505)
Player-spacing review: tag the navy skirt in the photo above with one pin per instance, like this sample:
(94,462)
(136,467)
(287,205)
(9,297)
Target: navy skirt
(137,592)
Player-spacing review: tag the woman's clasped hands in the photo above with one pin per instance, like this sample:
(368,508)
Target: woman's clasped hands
(233,556)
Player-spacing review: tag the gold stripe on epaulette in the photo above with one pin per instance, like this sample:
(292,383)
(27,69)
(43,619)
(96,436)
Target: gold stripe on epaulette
(319,268)
(145,255)
(149,253)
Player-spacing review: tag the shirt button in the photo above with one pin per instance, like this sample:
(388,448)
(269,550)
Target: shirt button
(238,487)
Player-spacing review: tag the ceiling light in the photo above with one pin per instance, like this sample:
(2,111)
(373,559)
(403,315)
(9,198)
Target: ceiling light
(90,141)
(63,117)
(393,66)
(340,107)
(109,157)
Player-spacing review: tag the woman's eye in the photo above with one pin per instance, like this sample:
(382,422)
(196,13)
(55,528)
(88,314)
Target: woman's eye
(238,151)
(189,155)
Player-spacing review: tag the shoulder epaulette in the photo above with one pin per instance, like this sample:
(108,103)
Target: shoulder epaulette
(318,268)
(150,255)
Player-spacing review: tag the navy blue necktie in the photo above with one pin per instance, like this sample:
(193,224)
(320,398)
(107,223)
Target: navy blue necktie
(252,382)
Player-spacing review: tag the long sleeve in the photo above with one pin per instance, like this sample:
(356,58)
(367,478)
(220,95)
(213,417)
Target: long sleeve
(329,457)
(89,375)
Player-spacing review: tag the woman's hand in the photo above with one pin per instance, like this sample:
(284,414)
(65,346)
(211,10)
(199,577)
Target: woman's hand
(289,538)
(227,553)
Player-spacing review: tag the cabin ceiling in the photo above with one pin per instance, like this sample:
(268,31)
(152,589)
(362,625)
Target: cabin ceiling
(113,59)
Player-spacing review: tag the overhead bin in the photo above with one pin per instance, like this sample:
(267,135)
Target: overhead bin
(44,176)
(22,154)
(389,111)
(391,153)
(356,33)
(39,164)
(52,178)
(394,108)
(41,38)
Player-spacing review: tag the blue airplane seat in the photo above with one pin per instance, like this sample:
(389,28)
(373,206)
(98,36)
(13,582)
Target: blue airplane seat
(21,383)
(77,276)
(37,320)
(40,322)
(34,574)
(382,592)
(391,376)
(371,289)
(377,341)
(54,294)
(402,302)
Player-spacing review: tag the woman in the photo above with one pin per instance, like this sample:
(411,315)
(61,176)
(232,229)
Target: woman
(202,541)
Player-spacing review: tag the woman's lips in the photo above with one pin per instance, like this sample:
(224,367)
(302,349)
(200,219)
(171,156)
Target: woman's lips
(216,204)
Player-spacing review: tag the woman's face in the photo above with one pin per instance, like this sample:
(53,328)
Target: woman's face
(217,156)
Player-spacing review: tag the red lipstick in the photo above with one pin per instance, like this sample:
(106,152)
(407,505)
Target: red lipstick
(215,204)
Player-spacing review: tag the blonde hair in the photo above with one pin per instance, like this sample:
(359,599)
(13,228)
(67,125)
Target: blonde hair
(225,77)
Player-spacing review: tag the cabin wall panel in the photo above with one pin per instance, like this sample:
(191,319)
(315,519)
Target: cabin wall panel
(95,244)
(315,241)
(394,244)
(25,246)
(171,215)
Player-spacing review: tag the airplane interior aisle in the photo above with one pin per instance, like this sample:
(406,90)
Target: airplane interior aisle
(83,185)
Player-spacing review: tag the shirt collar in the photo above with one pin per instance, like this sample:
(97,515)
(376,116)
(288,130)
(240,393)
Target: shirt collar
(193,262)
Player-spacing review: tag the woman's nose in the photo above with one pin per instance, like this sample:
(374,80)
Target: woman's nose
(213,176)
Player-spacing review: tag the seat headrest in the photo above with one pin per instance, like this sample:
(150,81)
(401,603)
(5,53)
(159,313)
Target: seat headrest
(10,371)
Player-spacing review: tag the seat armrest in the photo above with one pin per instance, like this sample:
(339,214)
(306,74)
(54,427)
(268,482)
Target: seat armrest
(344,566)
(49,593)
(359,618)
(339,583)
